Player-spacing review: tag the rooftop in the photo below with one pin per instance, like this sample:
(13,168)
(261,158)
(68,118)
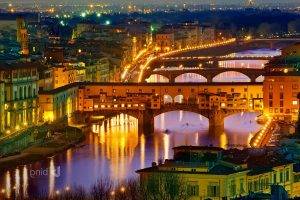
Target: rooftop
(203,148)
(255,162)
(17,65)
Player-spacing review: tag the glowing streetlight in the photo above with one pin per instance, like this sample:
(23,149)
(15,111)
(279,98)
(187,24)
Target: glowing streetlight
(107,22)
(83,14)
(122,189)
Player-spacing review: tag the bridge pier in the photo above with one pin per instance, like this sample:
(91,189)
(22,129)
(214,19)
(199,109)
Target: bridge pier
(145,122)
(252,78)
(216,122)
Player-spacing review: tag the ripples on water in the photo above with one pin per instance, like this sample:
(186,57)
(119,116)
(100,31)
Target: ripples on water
(115,149)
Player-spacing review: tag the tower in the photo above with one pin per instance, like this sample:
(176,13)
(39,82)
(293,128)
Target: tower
(250,3)
(22,36)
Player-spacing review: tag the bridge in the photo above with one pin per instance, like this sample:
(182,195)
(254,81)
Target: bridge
(208,73)
(144,101)
(215,58)
(269,42)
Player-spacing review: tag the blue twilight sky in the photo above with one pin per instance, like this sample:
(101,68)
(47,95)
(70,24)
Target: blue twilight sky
(148,1)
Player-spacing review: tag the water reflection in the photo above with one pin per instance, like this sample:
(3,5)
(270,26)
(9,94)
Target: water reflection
(257,52)
(190,77)
(231,76)
(25,182)
(156,78)
(114,149)
(8,185)
(254,64)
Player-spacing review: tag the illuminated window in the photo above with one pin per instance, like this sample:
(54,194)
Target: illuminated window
(295,103)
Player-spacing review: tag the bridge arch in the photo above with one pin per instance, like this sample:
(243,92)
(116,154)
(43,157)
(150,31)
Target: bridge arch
(260,79)
(190,77)
(157,78)
(231,76)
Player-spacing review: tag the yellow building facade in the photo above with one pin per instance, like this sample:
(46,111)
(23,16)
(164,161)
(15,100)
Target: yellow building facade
(223,179)
(20,95)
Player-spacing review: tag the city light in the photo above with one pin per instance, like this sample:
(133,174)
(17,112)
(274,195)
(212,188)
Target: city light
(160,94)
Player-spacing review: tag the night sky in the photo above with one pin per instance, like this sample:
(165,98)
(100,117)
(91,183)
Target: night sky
(149,1)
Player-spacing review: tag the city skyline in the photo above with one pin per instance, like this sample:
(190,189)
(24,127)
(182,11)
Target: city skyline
(149,100)
(156,2)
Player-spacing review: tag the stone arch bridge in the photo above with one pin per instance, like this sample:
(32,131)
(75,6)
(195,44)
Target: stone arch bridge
(208,73)
(146,116)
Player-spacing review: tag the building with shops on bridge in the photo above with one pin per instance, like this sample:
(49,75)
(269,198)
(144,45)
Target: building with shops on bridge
(145,101)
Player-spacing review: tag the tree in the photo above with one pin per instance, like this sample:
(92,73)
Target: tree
(164,186)
(264,29)
(294,26)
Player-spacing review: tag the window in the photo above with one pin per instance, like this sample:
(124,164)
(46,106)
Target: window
(281,104)
(270,95)
(287,175)
(281,95)
(281,176)
(256,185)
(242,189)
(193,190)
(245,89)
(232,188)
(274,178)
(281,87)
(270,103)
(295,94)
(213,190)
(295,86)
(271,87)
(295,103)
(250,186)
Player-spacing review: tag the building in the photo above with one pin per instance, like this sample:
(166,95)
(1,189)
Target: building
(293,50)
(164,41)
(281,88)
(2,103)
(20,94)
(22,36)
(98,70)
(58,103)
(215,173)
(61,75)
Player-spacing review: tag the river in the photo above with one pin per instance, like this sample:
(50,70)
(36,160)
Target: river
(114,149)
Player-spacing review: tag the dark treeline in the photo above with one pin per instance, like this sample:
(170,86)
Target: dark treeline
(162,186)
(257,22)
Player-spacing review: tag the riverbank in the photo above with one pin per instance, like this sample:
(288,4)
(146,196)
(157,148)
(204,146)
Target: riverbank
(59,141)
